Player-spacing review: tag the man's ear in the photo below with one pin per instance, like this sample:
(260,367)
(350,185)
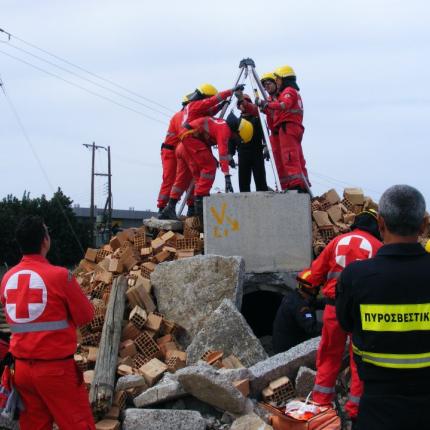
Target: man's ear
(424,226)
(381,226)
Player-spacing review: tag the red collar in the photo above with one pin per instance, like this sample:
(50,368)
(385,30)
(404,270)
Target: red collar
(33,257)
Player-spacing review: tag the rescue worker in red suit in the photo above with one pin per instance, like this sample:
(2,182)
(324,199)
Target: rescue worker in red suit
(360,244)
(288,119)
(268,80)
(176,174)
(204,101)
(199,136)
(44,305)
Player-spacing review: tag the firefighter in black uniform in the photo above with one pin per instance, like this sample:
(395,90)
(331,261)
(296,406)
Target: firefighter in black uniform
(296,319)
(251,157)
(385,303)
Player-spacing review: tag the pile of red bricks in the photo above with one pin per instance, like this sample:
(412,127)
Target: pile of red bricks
(148,344)
(333,216)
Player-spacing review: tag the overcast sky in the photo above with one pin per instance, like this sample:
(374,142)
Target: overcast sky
(363,68)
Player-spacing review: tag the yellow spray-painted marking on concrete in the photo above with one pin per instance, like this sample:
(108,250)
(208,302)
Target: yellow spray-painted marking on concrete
(223,220)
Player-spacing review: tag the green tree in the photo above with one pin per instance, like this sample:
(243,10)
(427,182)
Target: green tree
(69,236)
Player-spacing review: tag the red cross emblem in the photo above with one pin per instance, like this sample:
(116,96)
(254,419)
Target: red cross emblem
(26,296)
(352,248)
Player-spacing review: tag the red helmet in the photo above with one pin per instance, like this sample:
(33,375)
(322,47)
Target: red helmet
(304,278)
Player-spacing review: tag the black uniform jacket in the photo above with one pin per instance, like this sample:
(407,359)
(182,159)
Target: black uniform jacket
(295,321)
(385,303)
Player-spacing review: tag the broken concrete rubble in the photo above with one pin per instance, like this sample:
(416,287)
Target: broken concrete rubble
(250,422)
(305,381)
(157,419)
(227,330)
(167,389)
(206,384)
(187,291)
(283,364)
(163,224)
(130,381)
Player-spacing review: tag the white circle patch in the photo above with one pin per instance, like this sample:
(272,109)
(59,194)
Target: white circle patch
(352,248)
(26,296)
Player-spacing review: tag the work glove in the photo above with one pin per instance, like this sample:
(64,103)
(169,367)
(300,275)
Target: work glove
(228,185)
(266,153)
(262,104)
(239,87)
(232,163)
(239,95)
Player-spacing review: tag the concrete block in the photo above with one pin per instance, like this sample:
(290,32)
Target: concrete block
(130,381)
(163,224)
(283,364)
(305,381)
(162,419)
(250,422)
(167,389)
(273,232)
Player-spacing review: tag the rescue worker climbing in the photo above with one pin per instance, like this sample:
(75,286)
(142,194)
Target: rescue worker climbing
(44,305)
(361,243)
(288,124)
(198,137)
(204,101)
(168,158)
(251,158)
(296,319)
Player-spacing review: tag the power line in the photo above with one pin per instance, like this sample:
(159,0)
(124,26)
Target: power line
(83,88)
(27,139)
(85,70)
(90,81)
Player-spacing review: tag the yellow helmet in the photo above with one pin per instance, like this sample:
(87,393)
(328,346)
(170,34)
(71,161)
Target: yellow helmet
(246,130)
(267,76)
(284,71)
(427,247)
(207,90)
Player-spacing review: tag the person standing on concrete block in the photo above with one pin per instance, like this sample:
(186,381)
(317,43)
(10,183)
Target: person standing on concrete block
(385,303)
(204,101)
(200,135)
(251,158)
(44,305)
(296,319)
(288,122)
(359,244)
(268,80)
(169,161)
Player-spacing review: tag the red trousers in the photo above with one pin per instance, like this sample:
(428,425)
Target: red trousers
(52,391)
(293,161)
(183,176)
(204,167)
(168,161)
(329,359)
(276,149)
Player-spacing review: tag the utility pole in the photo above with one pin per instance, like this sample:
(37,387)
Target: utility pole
(93,148)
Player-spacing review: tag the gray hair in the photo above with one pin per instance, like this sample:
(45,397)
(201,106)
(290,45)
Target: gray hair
(403,209)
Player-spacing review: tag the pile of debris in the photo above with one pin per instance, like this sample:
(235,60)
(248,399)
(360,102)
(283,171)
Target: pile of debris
(333,216)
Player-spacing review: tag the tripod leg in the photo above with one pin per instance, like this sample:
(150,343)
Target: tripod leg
(225,107)
(265,132)
(187,196)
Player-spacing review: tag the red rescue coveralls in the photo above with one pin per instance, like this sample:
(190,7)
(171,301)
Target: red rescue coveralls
(44,305)
(287,123)
(168,158)
(326,270)
(184,168)
(206,132)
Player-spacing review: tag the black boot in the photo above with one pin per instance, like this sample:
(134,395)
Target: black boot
(160,211)
(169,212)
(198,207)
(191,211)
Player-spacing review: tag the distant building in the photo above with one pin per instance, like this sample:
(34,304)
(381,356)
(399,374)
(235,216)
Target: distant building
(121,220)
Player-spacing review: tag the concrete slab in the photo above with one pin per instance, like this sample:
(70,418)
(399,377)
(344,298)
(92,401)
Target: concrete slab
(271,231)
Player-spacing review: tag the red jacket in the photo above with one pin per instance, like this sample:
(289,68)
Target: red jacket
(172,136)
(205,107)
(287,108)
(213,131)
(43,305)
(341,251)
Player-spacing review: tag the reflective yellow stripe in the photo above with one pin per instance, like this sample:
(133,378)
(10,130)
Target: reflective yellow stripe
(394,361)
(406,317)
